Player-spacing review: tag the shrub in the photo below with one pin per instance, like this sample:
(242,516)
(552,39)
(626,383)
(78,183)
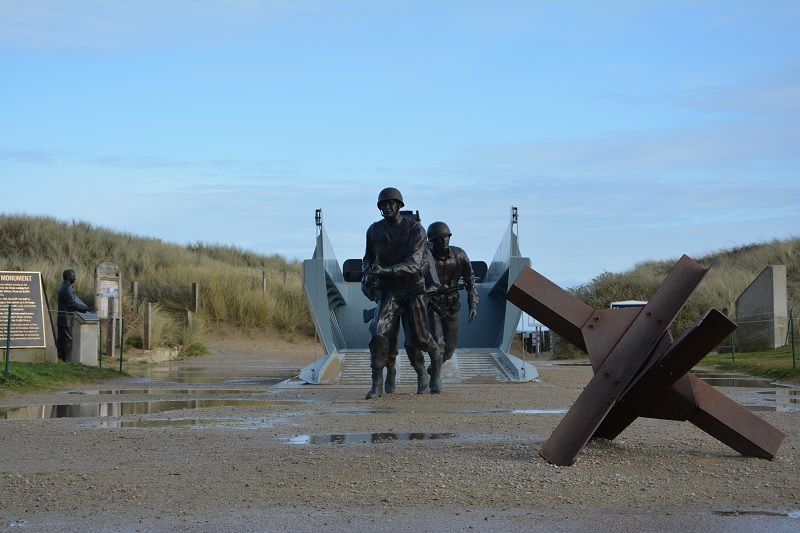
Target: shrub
(731,272)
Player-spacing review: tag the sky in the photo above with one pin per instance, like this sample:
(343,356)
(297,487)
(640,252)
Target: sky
(622,131)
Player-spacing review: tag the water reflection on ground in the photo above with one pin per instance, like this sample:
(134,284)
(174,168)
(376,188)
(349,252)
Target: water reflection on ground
(723,379)
(754,393)
(159,391)
(116,409)
(191,423)
(367,438)
(192,374)
(514,411)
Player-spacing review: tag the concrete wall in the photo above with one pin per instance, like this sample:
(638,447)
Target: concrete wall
(762,311)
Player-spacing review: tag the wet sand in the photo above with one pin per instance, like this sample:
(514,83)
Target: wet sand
(309,457)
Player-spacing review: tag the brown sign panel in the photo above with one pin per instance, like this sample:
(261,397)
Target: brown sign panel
(23,292)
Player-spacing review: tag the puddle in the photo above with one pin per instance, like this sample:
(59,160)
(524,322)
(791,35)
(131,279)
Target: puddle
(206,378)
(776,397)
(213,423)
(367,438)
(514,412)
(539,411)
(159,391)
(735,380)
(83,410)
(186,423)
(786,514)
(782,395)
(199,374)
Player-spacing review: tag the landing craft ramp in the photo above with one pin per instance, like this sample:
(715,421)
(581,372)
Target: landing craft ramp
(337,308)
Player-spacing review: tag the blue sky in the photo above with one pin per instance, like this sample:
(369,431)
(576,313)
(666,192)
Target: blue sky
(621,130)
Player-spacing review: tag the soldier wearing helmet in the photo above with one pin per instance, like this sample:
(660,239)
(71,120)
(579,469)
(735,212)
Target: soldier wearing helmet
(452,264)
(394,277)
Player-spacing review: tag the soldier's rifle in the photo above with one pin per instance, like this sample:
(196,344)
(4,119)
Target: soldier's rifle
(369,314)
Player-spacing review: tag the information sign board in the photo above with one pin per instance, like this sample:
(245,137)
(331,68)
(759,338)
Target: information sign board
(23,292)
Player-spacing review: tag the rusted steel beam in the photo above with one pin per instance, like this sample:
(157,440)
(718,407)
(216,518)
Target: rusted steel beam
(551,305)
(729,422)
(692,399)
(639,370)
(604,330)
(623,363)
(682,356)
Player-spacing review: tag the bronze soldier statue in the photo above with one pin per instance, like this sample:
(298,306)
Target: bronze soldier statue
(394,278)
(452,264)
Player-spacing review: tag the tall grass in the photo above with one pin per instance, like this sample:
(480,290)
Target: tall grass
(232,289)
(230,278)
(192,338)
(732,271)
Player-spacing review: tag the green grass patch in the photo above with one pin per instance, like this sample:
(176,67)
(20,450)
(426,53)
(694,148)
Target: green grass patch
(27,377)
(773,364)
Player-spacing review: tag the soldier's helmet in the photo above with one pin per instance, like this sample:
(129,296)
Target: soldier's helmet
(390,193)
(438,229)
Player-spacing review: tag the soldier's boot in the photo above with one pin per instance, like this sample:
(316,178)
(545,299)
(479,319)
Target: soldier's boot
(377,384)
(391,372)
(435,371)
(417,360)
(423,383)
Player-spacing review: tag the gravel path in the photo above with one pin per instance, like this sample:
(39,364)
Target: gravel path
(463,460)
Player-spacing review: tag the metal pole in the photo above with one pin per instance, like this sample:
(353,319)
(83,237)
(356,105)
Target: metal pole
(100,346)
(733,348)
(112,330)
(8,338)
(791,323)
(121,339)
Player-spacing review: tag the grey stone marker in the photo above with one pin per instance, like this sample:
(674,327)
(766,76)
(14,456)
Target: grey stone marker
(762,311)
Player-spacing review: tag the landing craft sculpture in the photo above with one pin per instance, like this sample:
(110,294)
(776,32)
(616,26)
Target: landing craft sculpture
(638,369)
(338,306)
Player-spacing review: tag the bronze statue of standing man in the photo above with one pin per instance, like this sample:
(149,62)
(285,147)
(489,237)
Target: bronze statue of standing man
(68,303)
(394,278)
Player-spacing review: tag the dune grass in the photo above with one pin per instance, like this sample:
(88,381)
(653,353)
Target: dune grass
(731,273)
(237,287)
(264,292)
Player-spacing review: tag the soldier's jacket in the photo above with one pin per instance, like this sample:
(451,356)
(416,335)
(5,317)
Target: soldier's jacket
(68,302)
(398,248)
(449,269)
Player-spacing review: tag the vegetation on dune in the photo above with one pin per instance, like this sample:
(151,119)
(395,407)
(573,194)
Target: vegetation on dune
(237,287)
(732,271)
(264,292)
